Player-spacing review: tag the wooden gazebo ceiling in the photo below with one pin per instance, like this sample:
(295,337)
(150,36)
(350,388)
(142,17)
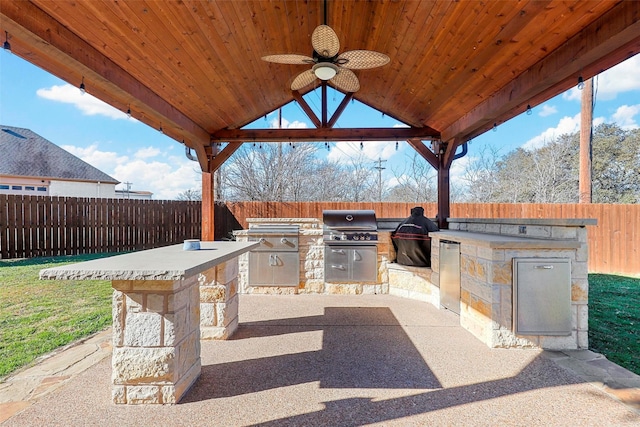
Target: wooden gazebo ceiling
(194,68)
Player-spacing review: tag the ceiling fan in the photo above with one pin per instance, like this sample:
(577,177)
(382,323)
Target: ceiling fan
(328,65)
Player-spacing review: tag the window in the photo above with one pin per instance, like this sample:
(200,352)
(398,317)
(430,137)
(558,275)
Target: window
(42,188)
(16,187)
(29,188)
(4,187)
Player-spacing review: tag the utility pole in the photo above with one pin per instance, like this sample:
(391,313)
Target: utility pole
(380,168)
(586,137)
(128,187)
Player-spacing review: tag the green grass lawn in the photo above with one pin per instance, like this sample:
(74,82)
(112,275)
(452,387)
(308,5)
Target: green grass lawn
(38,316)
(614,319)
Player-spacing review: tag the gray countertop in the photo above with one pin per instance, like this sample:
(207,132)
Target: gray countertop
(166,263)
(500,241)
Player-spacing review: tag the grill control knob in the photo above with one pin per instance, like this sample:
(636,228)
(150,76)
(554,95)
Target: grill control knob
(283,240)
(367,236)
(262,240)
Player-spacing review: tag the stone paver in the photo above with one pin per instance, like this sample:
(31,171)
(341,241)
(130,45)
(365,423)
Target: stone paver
(52,371)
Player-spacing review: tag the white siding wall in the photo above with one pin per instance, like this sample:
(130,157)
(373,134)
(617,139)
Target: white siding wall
(82,189)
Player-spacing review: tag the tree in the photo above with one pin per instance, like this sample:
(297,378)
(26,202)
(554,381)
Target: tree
(417,182)
(190,195)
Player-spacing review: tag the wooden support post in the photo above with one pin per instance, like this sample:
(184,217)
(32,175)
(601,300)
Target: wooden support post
(208,207)
(586,137)
(444,199)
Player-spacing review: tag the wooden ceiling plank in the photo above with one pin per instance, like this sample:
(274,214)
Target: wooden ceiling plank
(189,77)
(40,29)
(385,24)
(546,34)
(206,72)
(410,59)
(467,53)
(322,134)
(593,50)
(122,23)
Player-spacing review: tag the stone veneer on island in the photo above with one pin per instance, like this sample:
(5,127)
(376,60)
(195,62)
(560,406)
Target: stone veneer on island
(165,300)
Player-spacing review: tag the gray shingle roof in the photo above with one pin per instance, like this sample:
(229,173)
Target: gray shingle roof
(25,153)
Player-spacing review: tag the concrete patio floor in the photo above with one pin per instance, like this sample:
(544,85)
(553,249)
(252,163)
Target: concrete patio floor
(348,361)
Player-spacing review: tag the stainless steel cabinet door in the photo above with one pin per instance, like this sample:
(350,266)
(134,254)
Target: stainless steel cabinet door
(364,262)
(285,267)
(542,296)
(259,270)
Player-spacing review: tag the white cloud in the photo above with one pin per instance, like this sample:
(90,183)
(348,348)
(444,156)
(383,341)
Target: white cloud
(146,152)
(165,179)
(89,105)
(624,116)
(103,160)
(565,125)
(547,110)
(345,151)
(621,78)
(286,124)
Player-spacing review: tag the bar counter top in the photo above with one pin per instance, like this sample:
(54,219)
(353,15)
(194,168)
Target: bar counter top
(165,263)
(499,241)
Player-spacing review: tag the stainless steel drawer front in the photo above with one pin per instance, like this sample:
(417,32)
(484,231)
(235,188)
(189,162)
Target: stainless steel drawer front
(350,264)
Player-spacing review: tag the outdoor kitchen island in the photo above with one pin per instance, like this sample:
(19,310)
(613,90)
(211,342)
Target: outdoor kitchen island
(521,282)
(165,300)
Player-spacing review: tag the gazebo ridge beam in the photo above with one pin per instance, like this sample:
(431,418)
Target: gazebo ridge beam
(324,134)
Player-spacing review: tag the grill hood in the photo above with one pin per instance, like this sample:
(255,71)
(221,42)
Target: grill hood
(364,220)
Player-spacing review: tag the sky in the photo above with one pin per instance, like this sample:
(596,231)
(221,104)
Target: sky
(133,152)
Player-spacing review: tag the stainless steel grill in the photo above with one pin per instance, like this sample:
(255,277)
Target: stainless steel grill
(350,253)
(349,227)
(276,262)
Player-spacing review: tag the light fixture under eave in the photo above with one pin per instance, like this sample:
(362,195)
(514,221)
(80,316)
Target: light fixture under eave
(82,88)
(325,70)
(580,83)
(129,112)
(529,111)
(6,45)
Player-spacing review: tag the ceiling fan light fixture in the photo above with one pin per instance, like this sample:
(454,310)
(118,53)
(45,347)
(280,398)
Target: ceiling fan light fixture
(325,70)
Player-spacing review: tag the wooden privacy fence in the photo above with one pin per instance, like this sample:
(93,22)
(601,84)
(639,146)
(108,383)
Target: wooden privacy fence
(614,244)
(33,226)
(45,226)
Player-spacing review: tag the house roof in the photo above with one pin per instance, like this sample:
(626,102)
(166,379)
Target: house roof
(25,153)
(195,68)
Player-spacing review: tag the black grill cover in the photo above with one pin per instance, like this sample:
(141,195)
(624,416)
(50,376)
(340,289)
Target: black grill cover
(411,239)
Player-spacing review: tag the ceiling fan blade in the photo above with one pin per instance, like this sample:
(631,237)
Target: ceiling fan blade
(288,58)
(362,59)
(325,41)
(345,80)
(303,79)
